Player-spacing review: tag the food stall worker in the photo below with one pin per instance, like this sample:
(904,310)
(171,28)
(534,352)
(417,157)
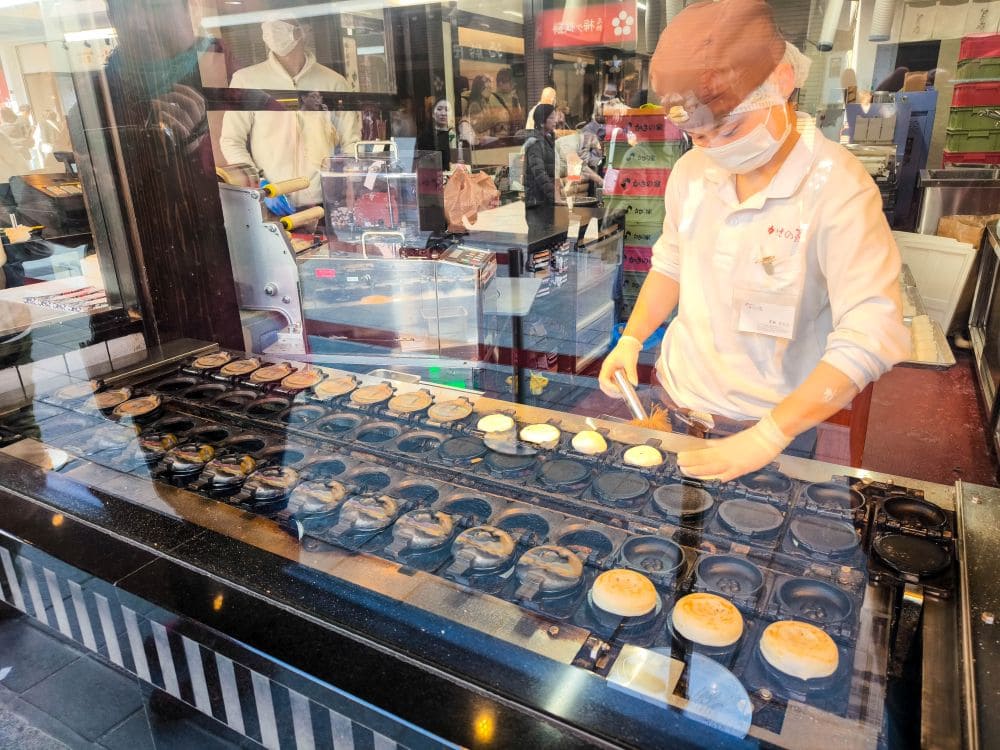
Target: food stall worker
(283,145)
(774,251)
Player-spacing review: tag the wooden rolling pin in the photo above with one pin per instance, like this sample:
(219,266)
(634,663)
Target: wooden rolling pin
(299,218)
(283,187)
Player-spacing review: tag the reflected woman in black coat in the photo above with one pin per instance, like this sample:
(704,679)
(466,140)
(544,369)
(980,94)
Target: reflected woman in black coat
(439,135)
(540,159)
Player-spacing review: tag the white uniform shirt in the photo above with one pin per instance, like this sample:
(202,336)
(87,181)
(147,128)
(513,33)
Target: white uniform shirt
(832,258)
(289,144)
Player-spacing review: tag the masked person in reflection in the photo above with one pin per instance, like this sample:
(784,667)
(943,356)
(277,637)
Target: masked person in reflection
(540,168)
(774,251)
(285,145)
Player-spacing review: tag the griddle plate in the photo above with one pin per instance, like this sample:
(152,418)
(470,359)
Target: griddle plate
(505,465)
(652,554)
(911,511)
(834,496)
(563,472)
(767,481)
(729,575)
(615,487)
(461,449)
(912,555)
(814,600)
(682,500)
(749,518)
(825,536)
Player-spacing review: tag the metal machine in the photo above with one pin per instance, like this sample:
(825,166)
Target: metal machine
(382,502)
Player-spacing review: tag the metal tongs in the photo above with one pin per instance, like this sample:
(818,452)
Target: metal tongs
(630,396)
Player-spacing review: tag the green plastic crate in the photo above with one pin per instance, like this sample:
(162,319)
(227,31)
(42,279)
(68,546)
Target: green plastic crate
(974,118)
(637,210)
(978,67)
(960,141)
(642,234)
(648,155)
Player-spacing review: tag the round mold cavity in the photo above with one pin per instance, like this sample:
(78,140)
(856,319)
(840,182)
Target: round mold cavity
(209,433)
(244,444)
(419,442)
(337,424)
(911,511)
(619,487)
(653,555)
(524,522)
(587,542)
(912,555)
(548,570)
(267,408)
(563,472)
(205,392)
(302,414)
(417,491)
(176,385)
(748,518)
(283,456)
(370,480)
(767,480)
(172,425)
(236,400)
(682,501)
(324,468)
(461,449)
(377,432)
(824,536)
(729,575)
(817,601)
(833,496)
(475,509)
(503,465)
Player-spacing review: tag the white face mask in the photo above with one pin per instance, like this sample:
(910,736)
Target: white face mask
(280,37)
(750,152)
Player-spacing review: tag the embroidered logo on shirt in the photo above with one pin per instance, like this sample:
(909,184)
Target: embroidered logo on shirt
(786,234)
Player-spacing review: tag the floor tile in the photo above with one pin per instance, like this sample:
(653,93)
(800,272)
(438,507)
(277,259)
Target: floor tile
(131,734)
(31,654)
(63,695)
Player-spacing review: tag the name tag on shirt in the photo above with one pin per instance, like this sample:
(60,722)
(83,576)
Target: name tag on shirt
(768,318)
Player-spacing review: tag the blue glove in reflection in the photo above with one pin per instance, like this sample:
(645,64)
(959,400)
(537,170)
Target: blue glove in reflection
(279,206)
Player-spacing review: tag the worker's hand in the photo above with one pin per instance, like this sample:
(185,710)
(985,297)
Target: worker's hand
(20,233)
(728,458)
(181,114)
(279,205)
(625,356)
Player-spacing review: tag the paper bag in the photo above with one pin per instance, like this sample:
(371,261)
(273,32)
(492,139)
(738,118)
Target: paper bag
(466,195)
(965,228)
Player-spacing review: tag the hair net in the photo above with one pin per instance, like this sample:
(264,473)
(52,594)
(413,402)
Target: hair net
(768,94)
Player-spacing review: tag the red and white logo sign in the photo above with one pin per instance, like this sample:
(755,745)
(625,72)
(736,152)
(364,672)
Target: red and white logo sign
(588,26)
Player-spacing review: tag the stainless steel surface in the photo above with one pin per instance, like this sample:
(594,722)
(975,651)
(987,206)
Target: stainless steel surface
(978,524)
(944,192)
(984,325)
(941,704)
(630,396)
(264,267)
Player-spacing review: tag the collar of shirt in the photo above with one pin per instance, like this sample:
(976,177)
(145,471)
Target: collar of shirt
(276,64)
(784,184)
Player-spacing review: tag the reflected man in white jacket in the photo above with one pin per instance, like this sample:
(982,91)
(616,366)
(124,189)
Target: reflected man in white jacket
(283,145)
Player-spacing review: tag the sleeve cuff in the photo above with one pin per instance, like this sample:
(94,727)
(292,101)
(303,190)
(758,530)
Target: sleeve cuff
(848,365)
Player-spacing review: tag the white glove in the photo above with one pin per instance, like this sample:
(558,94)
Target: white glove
(625,356)
(735,456)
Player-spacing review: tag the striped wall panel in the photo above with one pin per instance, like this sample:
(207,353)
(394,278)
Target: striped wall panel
(248,702)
